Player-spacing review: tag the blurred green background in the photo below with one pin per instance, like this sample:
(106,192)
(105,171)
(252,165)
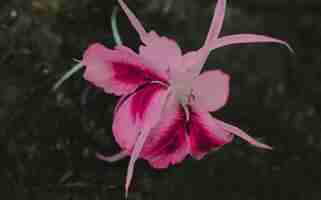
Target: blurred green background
(48,139)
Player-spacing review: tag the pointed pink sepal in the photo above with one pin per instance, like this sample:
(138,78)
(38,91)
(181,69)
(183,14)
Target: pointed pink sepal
(238,132)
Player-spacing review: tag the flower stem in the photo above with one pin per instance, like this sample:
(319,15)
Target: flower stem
(67,75)
(114,27)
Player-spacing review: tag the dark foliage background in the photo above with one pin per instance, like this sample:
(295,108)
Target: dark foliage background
(48,139)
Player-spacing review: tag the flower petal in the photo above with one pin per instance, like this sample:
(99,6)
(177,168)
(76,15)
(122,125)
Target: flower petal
(145,37)
(238,132)
(211,90)
(205,134)
(194,61)
(119,71)
(245,38)
(136,111)
(133,20)
(164,54)
(167,143)
(217,21)
(134,118)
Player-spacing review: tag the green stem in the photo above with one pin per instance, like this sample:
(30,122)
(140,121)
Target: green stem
(114,27)
(78,66)
(67,75)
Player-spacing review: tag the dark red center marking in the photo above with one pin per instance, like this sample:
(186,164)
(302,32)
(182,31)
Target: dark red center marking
(133,74)
(202,139)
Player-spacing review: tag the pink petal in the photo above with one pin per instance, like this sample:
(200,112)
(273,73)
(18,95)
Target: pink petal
(135,154)
(118,71)
(146,130)
(194,61)
(120,102)
(136,111)
(245,38)
(133,20)
(144,36)
(125,128)
(167,143)
(217,21)
(205,134)
(134,119)
(238,132)
(211,90)
(164,54)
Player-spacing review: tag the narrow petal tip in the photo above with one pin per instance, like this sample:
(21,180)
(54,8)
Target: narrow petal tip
(112,158)
(133,20)
(261,145)
(238,132)
(126,194)
(127,189)
(246,38)
(290,48)
(287,46)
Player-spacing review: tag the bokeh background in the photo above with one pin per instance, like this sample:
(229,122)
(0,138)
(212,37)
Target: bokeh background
(48,139)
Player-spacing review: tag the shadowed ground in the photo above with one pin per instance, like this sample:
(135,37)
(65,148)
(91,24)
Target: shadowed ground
(48,139)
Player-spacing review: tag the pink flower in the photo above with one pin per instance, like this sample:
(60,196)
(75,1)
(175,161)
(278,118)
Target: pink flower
(163,113)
